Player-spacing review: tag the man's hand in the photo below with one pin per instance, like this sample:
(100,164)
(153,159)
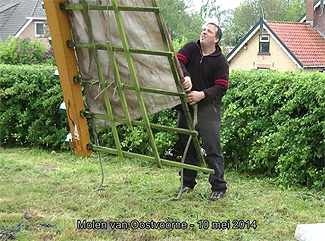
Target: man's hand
(187,84)
(194,97)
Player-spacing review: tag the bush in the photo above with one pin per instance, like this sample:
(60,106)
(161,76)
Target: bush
(24,51)
(137,139)
(29,103)
(274,123)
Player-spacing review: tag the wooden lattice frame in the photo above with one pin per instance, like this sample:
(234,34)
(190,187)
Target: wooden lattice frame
(63,45)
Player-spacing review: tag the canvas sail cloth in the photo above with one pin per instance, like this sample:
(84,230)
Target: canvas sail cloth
(142,32)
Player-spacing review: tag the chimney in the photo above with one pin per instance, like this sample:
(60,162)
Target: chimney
(310,12)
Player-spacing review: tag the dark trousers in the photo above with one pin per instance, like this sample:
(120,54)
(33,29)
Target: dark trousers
(209,131)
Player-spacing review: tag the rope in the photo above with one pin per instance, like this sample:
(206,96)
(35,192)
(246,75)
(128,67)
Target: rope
(100,186)
(10,234)
(114,96)
(101,92)
(29,225)
(195,108)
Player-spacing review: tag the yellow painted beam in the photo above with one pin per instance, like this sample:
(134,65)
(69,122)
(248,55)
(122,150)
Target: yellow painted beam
(59,26)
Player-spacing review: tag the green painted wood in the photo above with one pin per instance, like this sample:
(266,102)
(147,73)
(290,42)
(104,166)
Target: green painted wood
(148,158)
(135,81)
(168,46)
(140,123)
(101,78)
(131,87)
(118,84)
(75,6)
(169,52)
(121,49)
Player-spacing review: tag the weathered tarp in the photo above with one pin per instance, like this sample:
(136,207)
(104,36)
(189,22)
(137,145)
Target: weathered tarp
(142,32)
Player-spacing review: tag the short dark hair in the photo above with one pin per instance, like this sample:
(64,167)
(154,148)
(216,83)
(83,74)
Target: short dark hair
(219,31)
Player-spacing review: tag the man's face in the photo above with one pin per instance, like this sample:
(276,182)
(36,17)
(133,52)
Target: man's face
(208,35)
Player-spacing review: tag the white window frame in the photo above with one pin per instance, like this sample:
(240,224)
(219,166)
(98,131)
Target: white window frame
(39,35)
(266,40)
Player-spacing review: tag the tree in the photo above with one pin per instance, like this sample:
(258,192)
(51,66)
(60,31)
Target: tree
(23,51)
(180,22)
(186,25)
(210,10)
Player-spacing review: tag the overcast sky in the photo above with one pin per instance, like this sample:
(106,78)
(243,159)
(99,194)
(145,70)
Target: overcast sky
(224,4)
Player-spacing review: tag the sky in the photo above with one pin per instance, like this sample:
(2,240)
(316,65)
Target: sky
(224,4)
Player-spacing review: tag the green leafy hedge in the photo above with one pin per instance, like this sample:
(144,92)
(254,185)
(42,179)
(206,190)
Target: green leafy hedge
(137,139)
(29,102)
(274,123)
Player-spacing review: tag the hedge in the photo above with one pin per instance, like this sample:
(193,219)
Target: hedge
(30,97)
(273,123)
(137,139)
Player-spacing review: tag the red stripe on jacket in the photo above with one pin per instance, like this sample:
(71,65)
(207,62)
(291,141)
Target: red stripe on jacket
(182,57)
(221,82)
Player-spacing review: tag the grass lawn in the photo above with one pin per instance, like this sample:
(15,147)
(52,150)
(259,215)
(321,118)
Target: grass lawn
(44,194)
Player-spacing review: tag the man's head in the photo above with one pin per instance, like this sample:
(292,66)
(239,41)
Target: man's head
(211,34)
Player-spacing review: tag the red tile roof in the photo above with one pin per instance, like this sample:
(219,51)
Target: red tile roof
(306,43)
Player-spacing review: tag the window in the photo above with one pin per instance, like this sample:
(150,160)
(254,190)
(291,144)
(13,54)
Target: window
(39,29)
(263,69)
(263,66)
(264,46)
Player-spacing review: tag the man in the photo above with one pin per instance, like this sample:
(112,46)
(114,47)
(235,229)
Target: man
(206,72)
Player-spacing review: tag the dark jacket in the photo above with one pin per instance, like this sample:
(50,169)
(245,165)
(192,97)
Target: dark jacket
(208,73)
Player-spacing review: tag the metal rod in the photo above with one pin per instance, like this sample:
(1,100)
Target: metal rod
(148,158)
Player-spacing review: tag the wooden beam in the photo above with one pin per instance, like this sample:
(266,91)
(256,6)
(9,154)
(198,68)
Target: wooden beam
(59,26)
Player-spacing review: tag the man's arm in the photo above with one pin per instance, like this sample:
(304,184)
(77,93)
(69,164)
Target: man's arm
(183,60)
(217,91)
(183,56)
(220,85)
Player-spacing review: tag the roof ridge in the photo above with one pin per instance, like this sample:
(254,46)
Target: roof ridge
(8,6)
(34,8)
(289,22)
(38,10)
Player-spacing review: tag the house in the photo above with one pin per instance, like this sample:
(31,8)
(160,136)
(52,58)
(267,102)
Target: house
(284,45)
(24,18)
